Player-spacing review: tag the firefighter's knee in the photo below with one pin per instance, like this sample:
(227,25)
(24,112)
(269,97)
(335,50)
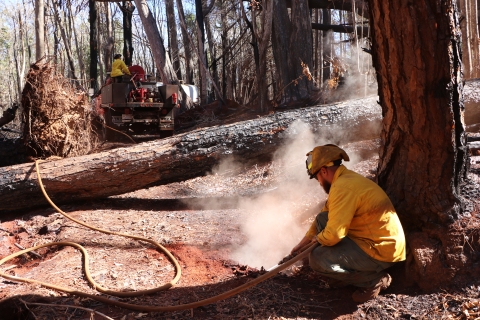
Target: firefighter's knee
(318,259)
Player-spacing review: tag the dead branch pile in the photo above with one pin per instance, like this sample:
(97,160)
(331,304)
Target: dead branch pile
(57,116)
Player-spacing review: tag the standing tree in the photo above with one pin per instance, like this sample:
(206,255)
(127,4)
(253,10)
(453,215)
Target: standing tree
(127,9)
(203,67)
(292,44)
(186,46)
(280,32)
(172,37)
(109,42)
(262,30)
(39,29)
(162,61)
(93,45)
(301,42)
(416,47)
(202,59)
(65,38)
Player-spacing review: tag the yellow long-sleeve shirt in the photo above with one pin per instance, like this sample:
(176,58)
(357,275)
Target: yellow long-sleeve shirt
(358,208)
(119,68)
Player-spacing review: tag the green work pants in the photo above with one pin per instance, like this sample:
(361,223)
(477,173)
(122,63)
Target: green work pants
(345,261)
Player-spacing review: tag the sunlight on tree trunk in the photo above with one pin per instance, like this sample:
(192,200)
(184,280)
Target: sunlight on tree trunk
(172,37)
(186,46)
(156,43)
(417,55)
(39,29)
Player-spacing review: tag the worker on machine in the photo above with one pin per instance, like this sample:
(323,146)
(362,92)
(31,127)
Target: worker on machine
(359,232)
(119,69)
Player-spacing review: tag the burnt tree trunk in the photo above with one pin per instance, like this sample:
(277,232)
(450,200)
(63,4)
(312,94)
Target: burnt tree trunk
(93,45)
(280,31)
(417,55)
(127,8)
(327,39)
(177,158)
(262,30)
(202,58)
(300,48)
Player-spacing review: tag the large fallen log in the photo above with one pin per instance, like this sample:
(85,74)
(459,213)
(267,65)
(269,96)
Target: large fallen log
(180,157)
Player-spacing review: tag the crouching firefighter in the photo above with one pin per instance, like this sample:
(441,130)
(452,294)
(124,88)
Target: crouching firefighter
(359,232)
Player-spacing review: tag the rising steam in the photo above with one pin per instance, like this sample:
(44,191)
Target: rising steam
(275,221)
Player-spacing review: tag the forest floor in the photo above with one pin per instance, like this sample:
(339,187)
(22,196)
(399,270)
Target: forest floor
(223,228)
(203,222)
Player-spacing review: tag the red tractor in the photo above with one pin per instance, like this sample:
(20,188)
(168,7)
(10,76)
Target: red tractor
(137,107)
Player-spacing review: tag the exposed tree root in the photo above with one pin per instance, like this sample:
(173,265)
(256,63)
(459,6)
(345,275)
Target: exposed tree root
(57,116)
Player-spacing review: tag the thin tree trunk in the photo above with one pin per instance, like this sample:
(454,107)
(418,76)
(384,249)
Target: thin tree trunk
(127,10)
(39,29)
(162,62)
(226,76)
(202,57)
(186,46)
(81,63)
(316,48)
(197,52)
(327,44)
(56,41)
(93,46)
(20,59)
(66,42)
(108,46)
(100,45)
(173,37)
(213,56)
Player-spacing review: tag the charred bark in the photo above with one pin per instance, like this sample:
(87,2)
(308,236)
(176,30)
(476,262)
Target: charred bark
(280,35)
(127,9)
(301,50)
(177,158)
(93,45)
(417,55)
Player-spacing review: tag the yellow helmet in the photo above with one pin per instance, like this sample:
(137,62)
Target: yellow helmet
(324,156)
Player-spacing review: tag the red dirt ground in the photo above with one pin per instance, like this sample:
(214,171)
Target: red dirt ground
(200,222)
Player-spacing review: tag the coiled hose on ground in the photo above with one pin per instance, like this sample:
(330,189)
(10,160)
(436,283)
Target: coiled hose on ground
(144,308)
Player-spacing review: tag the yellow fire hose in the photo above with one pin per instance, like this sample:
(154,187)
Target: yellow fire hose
(166,286)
